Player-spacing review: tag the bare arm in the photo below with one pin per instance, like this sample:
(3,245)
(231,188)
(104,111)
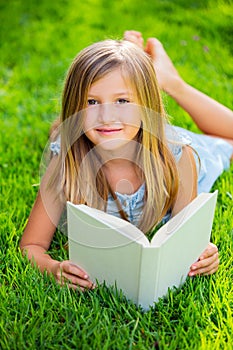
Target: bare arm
(188,180)
(208,262)
(38,235)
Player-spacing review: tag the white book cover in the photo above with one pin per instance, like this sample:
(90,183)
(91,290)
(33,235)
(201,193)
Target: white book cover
(115,251)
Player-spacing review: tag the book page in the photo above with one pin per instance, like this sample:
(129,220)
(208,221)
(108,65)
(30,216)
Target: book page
(183,242)
(115,231)
(200,210)
(104,253)
(113,250)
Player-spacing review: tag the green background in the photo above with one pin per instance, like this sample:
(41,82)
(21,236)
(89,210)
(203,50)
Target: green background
(38,42)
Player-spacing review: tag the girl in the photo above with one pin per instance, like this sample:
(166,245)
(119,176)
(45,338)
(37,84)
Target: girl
(113,154)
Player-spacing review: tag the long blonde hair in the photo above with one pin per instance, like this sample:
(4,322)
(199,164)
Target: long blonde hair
(154,156)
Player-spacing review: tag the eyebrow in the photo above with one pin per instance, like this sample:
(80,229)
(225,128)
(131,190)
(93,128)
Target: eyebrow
(120,93)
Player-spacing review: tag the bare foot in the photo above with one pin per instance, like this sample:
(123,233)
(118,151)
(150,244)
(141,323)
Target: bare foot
(167,76)
(135,37)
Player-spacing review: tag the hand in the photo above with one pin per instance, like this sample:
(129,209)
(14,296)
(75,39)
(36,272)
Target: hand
(208,262)
(73,275)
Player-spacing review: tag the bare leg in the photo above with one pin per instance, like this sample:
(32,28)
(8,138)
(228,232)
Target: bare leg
(168,78)
(210,116)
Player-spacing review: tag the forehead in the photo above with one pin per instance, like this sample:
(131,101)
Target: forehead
(114,81)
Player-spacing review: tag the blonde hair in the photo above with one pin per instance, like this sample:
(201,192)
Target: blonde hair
(158,164)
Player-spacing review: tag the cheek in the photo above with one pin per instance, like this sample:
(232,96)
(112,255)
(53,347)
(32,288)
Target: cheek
(132,131)
(132,126)
(89,135)
(90,120)
(88,129)
(131,116)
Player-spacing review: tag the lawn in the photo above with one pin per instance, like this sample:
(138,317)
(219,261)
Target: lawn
(38,42)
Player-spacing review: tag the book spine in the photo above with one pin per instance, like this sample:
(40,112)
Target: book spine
(149,273)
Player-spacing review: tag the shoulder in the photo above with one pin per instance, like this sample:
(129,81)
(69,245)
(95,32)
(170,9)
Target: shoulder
(187,166)
(187,179)
(187,156)
(177,138)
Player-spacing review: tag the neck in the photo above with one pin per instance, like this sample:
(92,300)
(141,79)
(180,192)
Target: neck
(123,175)
(120,167)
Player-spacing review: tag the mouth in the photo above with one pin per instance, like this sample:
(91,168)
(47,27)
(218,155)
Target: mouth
(108,131)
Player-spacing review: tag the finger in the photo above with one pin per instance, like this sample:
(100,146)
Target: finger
(75,287)
(73,274)
(208,270)
(65,282)
(205,266)
(73,269)
(209,251)
(203,263)
(72,280)
(82,289)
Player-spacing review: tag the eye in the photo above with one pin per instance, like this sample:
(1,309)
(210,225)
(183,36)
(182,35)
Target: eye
(92,102)
(122,101)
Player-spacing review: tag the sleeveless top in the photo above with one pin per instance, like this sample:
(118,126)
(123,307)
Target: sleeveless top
(214,157)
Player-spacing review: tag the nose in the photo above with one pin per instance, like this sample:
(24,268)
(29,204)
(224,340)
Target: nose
(106,113)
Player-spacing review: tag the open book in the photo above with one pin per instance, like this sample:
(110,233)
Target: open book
(115,251)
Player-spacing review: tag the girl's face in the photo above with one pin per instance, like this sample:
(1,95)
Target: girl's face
(112,116)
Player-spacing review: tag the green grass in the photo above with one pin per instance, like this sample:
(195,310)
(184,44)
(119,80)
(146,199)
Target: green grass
(38,41)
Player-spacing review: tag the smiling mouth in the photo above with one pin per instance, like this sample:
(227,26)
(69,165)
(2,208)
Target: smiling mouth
(108,131)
